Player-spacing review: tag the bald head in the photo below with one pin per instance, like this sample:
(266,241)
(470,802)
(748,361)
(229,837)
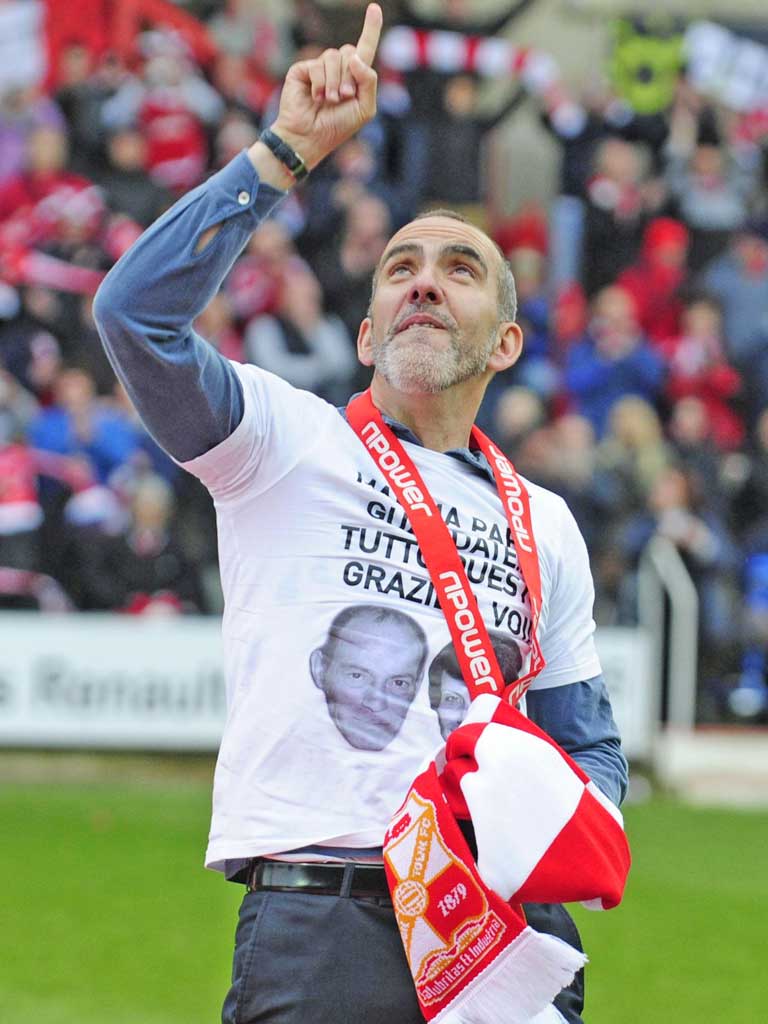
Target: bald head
(486,250)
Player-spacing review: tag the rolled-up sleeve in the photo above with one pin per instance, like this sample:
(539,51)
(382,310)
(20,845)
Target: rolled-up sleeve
(188,395)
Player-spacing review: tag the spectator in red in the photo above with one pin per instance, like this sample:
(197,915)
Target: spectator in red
(526,229)
(20,511)
(655,280)
(45,177)
(21,506)
(253,284)
(698,369)
(568,320)
(174,106)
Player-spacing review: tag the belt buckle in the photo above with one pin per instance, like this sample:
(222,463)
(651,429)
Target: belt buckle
(254,874)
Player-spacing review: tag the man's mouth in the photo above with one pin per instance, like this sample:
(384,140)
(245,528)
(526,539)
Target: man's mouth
(421,320)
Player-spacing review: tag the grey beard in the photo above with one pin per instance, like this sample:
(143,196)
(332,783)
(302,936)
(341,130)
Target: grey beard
(421,369)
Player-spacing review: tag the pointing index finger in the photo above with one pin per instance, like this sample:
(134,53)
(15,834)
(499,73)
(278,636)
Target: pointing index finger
(369,37)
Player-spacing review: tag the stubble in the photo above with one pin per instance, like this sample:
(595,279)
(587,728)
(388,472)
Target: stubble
(412,363)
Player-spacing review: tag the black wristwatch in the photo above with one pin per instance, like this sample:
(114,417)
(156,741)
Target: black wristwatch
(285,154)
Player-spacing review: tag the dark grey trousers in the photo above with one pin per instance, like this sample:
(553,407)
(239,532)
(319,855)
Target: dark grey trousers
(309,959)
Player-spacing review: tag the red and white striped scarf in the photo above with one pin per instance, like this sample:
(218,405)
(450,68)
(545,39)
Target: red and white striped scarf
(405,49)
(545,834)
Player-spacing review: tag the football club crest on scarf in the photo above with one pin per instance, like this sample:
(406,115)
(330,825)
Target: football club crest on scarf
(448,928)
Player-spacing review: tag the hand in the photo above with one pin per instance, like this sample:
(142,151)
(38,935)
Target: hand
(327,100)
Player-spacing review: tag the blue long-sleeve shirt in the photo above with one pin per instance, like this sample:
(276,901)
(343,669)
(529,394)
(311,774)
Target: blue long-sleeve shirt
(190,398)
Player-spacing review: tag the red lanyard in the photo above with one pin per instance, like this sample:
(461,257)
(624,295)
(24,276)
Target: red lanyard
(479,665)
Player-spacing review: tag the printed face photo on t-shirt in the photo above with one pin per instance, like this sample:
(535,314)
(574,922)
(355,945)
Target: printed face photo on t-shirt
(448,693)
(370,669)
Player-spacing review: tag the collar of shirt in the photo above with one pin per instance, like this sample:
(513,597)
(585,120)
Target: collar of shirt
(471,457)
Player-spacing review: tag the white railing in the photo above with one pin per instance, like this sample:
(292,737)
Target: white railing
(661,573)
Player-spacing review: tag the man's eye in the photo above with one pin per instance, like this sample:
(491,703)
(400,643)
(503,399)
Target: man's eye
(398,267)
(465,269)
(400,684)
(452,700)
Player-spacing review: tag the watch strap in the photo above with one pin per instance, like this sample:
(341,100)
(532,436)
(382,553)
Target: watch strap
(285,154)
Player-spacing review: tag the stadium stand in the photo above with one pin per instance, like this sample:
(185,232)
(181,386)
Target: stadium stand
(642,396)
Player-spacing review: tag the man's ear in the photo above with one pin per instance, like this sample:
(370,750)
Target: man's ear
(317,667)
(365,342)
(509,347)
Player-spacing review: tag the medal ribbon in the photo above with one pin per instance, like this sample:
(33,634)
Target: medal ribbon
(479,665)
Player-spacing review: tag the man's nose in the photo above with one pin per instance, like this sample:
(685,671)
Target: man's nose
(425,290)
(374,698)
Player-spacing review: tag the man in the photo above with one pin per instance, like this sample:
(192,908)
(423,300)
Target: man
(307,525)
(370,669)
(448,693)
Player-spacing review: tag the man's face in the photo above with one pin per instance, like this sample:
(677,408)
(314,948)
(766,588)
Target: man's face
(370,676)
(454,704)
(435,311)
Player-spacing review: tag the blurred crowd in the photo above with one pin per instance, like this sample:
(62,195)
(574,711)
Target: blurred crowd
(642,394)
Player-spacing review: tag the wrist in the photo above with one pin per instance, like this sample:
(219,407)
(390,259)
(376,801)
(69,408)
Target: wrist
(283,158)
(285,154)
(271,171)
(301,144)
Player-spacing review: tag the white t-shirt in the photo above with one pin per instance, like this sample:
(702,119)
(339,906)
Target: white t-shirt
(331,624)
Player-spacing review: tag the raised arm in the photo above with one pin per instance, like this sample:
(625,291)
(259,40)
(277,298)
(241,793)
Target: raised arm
(188,395)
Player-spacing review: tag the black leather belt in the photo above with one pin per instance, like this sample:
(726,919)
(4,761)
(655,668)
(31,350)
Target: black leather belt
(321,879)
